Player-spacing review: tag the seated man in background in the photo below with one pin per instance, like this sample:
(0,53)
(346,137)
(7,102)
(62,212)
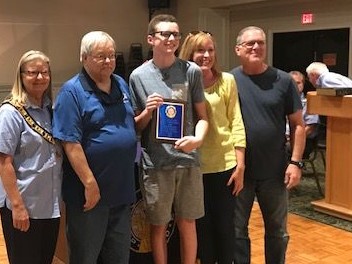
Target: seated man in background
(311,121)
(320,76)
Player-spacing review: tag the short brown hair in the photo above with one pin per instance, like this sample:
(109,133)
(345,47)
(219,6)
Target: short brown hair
(299,74)
(157,19)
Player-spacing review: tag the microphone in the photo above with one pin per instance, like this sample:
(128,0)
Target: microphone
(165,75)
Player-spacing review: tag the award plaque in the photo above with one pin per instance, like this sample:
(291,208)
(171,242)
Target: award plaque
(170,121)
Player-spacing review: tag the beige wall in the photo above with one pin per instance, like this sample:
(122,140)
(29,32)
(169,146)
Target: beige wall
(287,17)
(56,27)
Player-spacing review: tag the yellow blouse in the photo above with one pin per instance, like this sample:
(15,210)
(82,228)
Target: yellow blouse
(226,129)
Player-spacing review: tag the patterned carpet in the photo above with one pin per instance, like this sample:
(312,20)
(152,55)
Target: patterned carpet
(306,192)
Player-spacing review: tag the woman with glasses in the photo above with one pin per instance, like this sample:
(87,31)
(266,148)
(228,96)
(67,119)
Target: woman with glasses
(30,162)
(222,152)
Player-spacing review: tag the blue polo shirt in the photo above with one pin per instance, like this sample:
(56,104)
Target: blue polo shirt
(104,125)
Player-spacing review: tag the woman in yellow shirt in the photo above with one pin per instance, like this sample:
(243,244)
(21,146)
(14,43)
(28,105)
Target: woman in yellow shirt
(222,153)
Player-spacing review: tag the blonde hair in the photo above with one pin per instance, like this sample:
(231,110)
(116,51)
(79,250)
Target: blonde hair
(19,95)
(193,42)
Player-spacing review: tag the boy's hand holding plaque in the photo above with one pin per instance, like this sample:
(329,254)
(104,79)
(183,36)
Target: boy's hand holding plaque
(169,118)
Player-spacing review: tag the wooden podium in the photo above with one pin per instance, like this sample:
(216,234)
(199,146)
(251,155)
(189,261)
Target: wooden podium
(338,179)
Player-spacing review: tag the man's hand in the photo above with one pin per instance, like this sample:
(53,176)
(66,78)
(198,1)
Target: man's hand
(292,176)
(92,195)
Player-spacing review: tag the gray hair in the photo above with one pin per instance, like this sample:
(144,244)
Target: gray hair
(249,28)
(91,39)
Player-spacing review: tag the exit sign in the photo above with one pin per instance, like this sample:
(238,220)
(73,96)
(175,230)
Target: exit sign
(307,18)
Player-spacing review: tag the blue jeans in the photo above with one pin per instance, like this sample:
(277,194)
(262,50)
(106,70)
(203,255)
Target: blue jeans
(103,232)
(272,197)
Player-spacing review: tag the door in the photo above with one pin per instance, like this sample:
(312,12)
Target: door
(296,50)
(217,21)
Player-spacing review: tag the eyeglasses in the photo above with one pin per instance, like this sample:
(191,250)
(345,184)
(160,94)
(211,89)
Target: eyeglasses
(100,58)
(195,32)
(167,34)
(250,44)
(35,74)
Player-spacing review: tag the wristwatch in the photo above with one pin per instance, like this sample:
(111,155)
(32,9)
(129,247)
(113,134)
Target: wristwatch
(299,164)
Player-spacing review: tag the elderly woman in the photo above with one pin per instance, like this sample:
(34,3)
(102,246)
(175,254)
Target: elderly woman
(30,162)
(222,152)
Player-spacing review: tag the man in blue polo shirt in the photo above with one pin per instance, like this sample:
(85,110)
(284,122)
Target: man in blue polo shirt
(93,119)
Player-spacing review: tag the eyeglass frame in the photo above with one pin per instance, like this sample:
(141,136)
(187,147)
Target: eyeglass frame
(35,74)
(250,44)
(101,58)
(177,35)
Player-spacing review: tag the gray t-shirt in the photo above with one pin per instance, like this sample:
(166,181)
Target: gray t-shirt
(169,83)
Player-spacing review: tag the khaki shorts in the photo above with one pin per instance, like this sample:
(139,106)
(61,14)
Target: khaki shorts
(179,190)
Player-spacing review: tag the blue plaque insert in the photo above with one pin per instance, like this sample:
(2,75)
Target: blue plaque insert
(170,121)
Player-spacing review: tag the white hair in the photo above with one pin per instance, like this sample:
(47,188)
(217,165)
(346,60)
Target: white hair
(317,68)
(91,39)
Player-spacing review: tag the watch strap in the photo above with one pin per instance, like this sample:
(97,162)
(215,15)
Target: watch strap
(299,164)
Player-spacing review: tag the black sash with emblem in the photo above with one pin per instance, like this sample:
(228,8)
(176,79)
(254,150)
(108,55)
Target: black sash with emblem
(32,123)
